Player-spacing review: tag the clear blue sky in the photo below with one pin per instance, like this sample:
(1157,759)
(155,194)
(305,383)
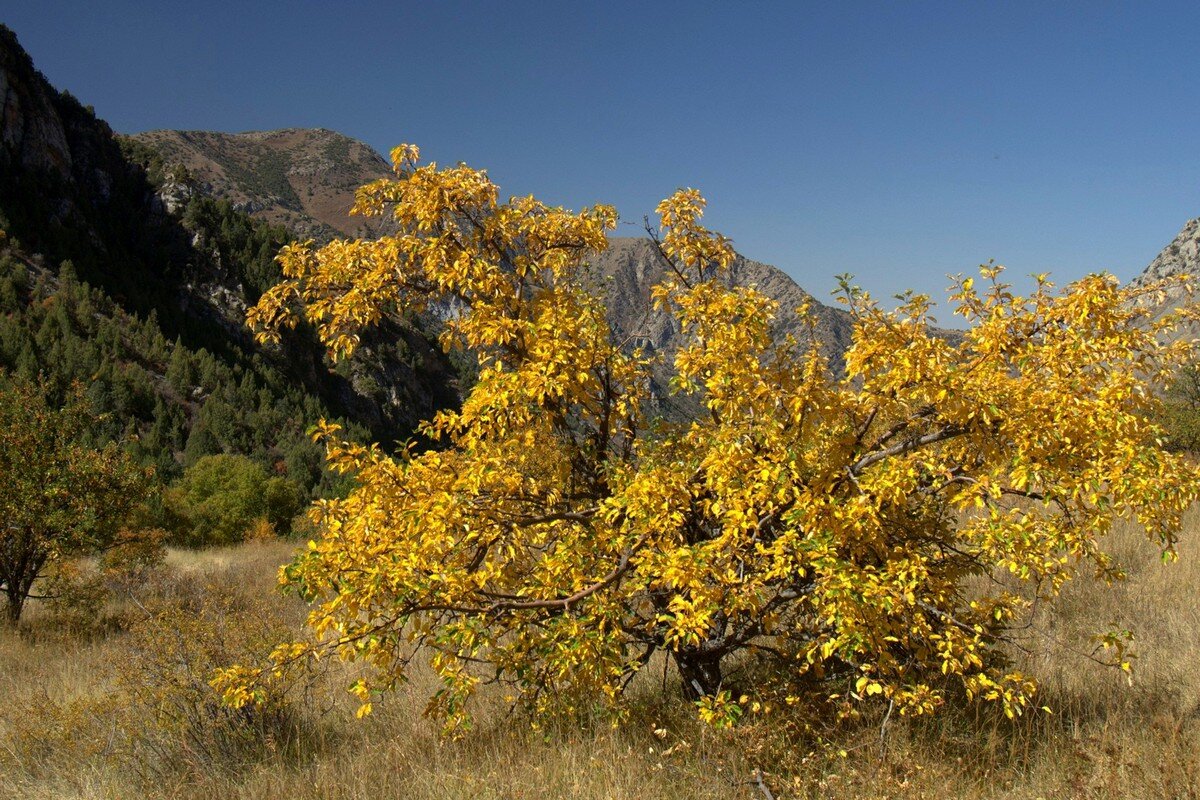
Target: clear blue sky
(896,141)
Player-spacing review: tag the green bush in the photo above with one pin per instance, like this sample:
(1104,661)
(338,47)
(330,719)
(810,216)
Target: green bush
(1181,411)
(220,497)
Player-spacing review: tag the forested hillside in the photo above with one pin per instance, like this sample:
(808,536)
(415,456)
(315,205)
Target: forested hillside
(121,274)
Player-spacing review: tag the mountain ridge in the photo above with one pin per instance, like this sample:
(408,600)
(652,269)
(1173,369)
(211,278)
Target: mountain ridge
(1181,256)
(318,181)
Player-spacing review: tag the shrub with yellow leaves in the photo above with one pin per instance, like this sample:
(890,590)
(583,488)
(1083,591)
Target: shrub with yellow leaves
(870,536)
(187,627)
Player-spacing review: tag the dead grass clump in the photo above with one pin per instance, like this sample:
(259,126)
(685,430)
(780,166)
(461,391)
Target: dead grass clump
(141,708)
(192,625)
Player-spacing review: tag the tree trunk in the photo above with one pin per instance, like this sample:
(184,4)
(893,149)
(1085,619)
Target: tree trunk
(12,612)
(20,568)
(701,674)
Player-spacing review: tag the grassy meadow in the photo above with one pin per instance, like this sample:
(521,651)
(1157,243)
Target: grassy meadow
(116,706)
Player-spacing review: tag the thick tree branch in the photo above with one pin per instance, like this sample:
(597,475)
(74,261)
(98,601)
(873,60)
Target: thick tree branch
(949,432)
(623,566)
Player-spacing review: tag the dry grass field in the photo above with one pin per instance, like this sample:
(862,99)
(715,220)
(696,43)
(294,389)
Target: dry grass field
(117,707)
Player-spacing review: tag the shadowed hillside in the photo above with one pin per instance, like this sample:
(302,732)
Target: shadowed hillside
(121,273)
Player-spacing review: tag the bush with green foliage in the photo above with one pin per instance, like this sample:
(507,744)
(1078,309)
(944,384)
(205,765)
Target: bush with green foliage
(1181,411)
(219,499)
(59,497)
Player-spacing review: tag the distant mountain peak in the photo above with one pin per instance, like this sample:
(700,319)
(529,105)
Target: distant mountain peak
(631,266)
(1180,257)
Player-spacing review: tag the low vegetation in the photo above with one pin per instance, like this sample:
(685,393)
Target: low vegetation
(118,706)
(220,499)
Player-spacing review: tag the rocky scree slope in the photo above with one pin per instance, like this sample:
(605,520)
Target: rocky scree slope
(1180,257)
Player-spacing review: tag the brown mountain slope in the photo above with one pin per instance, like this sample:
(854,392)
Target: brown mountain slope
(301,178)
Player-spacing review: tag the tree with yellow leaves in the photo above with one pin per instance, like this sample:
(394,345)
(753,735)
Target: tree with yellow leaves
(833,528)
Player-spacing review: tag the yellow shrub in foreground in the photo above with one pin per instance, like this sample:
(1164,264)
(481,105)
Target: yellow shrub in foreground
(861,534)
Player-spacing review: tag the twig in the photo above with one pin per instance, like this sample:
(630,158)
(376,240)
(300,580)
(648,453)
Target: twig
(883,726)
(762,786)
(942,435)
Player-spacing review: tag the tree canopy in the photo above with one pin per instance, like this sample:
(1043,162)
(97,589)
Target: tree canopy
(59,498)
(872,534)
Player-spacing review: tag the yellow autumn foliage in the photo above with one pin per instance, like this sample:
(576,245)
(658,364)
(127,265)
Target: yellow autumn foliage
(871,536)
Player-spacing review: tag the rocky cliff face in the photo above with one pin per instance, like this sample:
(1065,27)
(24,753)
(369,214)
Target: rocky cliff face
(67,191)
(632,266)
(32,133)
(300,178)
(1180,257)
(62,170)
